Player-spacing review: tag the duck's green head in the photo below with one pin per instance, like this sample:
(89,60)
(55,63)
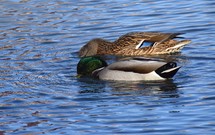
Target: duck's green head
(87,65)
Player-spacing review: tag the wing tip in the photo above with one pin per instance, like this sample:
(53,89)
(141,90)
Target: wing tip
(168,70)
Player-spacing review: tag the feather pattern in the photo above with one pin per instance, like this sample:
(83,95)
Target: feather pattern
(132,69)
(130,44)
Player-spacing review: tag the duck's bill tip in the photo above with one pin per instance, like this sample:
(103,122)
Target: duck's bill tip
(78,75)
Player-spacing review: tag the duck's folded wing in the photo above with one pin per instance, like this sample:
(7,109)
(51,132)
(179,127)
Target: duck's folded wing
(150,36)
(136,66)
(162,37)
(138,39)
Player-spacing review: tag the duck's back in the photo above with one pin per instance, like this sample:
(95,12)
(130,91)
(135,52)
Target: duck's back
(131,70)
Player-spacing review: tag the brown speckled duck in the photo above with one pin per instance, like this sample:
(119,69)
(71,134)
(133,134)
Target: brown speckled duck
(134,44)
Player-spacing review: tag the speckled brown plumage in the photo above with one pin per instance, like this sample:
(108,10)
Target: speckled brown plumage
(129,45)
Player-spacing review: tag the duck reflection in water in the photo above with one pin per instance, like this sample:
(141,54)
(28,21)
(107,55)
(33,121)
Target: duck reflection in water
(156,88)
(163,89)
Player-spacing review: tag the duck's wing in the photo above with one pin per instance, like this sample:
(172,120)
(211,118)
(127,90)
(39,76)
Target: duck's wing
(153,36)
(138,39)
(168,70)
(136,66)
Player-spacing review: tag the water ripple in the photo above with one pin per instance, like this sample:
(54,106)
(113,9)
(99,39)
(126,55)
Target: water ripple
(40,94)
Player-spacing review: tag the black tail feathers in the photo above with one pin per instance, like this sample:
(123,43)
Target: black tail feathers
(168,70)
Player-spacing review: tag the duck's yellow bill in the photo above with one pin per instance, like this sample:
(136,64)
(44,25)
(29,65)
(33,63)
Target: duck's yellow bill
(78,75)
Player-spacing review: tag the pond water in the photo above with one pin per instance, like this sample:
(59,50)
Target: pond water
(39,91)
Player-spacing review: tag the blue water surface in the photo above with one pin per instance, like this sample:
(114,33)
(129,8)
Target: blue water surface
(39,90)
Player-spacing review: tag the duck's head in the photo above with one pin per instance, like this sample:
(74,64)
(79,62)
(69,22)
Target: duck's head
(87,65)
(91,48)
